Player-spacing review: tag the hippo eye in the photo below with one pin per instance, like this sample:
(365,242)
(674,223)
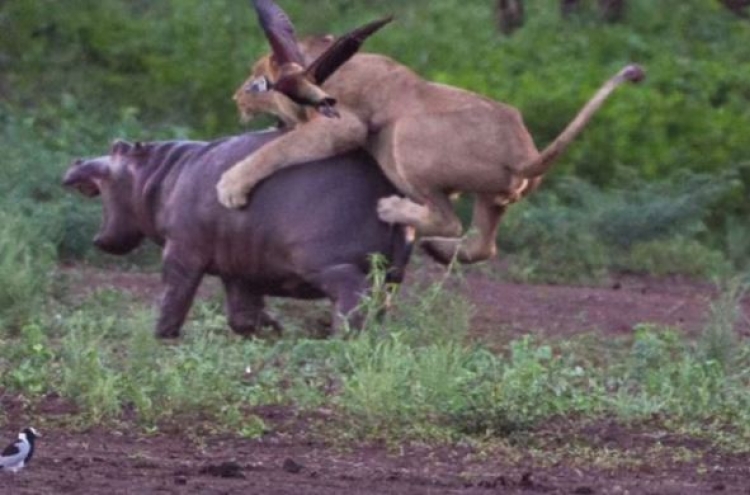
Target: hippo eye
(258,85)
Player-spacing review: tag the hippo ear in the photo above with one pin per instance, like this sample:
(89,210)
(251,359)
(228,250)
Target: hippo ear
(120,147)
(136,156)
(138,149)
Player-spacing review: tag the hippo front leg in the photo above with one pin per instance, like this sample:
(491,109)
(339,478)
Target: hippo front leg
(181,280)
(245,309)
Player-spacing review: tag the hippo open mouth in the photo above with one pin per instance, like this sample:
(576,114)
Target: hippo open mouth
(87,187)
(84,177)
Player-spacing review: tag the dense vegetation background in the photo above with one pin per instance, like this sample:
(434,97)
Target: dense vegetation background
(658,182)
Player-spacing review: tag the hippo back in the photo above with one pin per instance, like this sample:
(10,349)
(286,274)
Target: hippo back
(299,221)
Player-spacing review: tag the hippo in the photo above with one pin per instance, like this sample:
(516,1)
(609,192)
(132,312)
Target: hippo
(308,232)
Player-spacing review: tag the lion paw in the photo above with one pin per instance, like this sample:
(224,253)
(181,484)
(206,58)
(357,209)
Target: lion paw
(464,250)
(232,193)
(395,209)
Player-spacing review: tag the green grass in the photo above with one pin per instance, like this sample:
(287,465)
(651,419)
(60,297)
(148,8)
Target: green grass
(415,376)
(25,264)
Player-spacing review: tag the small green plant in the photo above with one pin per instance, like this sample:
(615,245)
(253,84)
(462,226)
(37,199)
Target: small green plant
(28,361)
(719,341)
(25,263)
(86,364)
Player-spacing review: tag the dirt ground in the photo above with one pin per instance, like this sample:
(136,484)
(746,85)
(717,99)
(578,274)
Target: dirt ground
(288,462)
(111,463)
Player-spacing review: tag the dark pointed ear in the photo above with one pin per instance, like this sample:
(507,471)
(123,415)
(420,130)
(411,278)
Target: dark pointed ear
(120,147)
(343,49)
(279,31)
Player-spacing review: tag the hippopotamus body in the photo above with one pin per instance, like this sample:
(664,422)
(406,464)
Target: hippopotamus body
(307,232)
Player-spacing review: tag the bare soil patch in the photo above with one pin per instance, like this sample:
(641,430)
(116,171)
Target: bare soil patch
(119,462)
(291,461)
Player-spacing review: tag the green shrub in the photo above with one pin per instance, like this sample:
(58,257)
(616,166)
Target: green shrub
(180,61)
(148,70)
(667,375)
(719,340)
(39,145)
(674,256)
(577,232)
(510,395)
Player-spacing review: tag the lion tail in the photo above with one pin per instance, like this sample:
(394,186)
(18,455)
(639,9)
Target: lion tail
(539,165)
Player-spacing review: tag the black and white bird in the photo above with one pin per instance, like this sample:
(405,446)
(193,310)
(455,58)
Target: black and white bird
(16,455)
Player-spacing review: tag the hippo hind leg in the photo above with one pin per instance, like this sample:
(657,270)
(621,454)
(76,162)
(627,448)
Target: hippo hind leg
(245,310)
(345,285)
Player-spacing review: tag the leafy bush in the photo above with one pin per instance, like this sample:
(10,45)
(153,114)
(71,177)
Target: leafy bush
(146,70)
(180,61)
(576,231)
(674,256)
(720,342)
(178,58)
(39,145)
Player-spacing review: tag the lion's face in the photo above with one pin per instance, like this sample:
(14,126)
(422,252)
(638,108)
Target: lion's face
(256,97)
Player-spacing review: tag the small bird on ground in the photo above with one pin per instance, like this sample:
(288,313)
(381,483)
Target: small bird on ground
(16,455)
(299,83)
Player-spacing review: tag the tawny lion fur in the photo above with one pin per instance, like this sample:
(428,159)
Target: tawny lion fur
(431,140)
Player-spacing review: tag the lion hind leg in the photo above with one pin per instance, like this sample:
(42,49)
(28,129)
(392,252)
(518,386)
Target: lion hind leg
(314,140)
(479,243)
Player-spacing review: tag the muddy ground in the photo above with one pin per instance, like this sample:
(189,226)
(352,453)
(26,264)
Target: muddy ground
(287,461)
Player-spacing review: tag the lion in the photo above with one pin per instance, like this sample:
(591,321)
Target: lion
(431,140)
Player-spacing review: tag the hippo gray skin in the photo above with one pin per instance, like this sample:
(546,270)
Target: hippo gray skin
(307,232)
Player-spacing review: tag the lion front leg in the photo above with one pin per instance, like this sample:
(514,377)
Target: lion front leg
(314,140)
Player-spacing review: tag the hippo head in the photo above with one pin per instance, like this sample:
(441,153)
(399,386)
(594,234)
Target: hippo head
(112,177)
